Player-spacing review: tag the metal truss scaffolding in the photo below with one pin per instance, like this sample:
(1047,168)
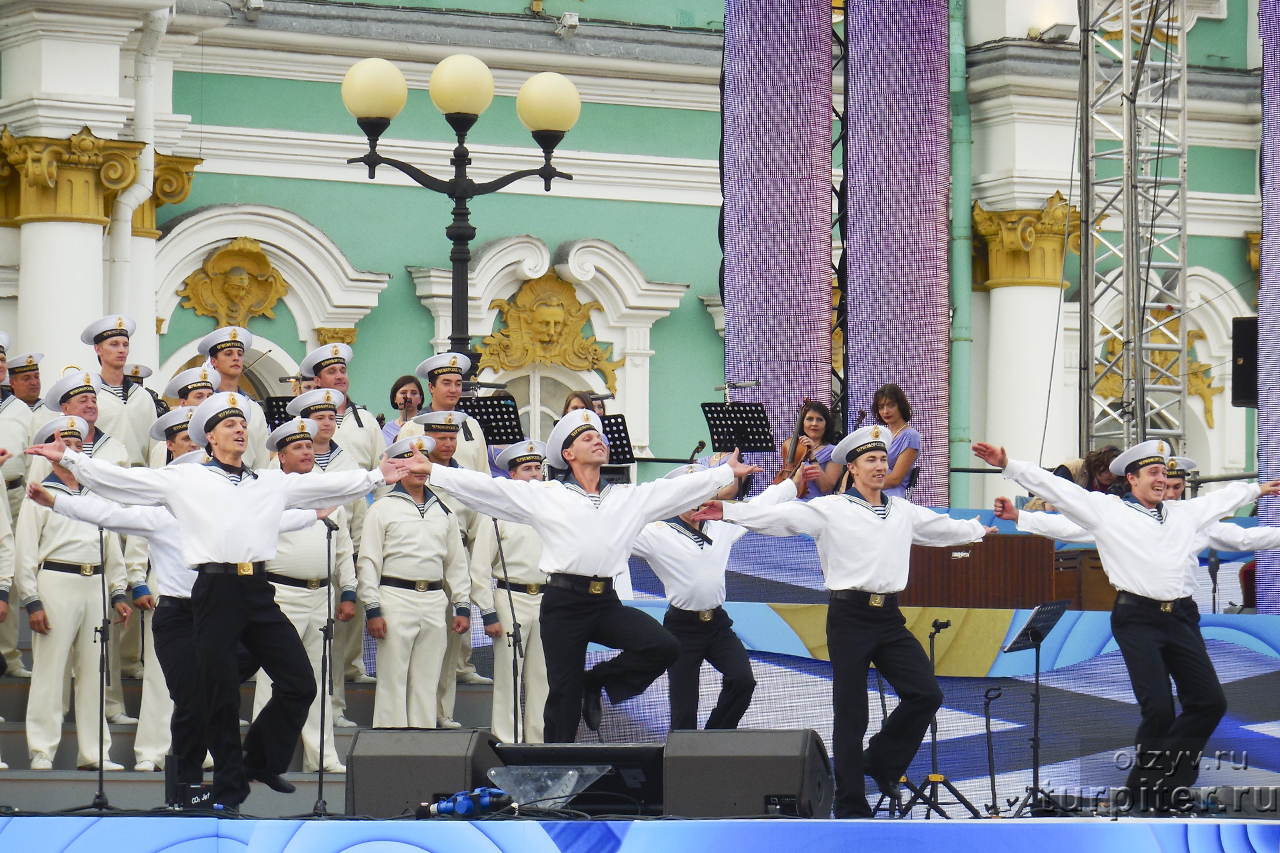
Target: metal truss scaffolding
(840,219)
(1133,252)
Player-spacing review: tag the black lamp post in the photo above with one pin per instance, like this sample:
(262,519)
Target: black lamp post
(461,87)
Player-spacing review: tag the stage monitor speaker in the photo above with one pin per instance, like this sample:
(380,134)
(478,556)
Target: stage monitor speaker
(632,788)
(741,773)
(391,771)
(1244,362)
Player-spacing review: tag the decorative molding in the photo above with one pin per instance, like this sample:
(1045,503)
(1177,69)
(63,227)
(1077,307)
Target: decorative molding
(336,336)
(171,185)
(322,157)
(8,281)
(325,290)
(1025,248)
(67,180)
(596,84)
(234,284)
(715,307)
(629,304)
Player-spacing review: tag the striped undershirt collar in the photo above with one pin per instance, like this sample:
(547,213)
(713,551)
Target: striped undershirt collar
(881,510)
(1156,512)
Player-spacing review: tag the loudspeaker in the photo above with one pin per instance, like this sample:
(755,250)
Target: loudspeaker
(390,772)
(1244,362)
(740,773)
(632,787)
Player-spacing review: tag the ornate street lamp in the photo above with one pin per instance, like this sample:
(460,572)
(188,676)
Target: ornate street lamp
(461,87)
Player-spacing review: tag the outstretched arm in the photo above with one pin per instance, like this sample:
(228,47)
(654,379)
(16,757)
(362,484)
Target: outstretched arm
(1233,537)
(1212,507)
(145,486)
(1075,502)
(1052,525)
(665,498)
(787,519)
(938,529)
(510,500)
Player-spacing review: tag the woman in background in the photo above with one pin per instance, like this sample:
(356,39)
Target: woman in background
(892,409)
(818,436)
(406,397)
(582,400)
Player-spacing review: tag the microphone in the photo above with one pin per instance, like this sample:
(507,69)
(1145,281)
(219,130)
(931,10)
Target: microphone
(330,523)
(746,383)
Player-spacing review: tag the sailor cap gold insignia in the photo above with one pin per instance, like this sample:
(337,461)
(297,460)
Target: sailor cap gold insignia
(231,400)
(418,445)
(532,449)
(328,398)
(119,322)
(1159,447)
(453,362)
(586,418)
(204,375)
(335,350)
(448,418)
(875,432)
(233,335)
(71,423)
(30,361)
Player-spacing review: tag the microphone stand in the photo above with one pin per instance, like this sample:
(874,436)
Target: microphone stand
(321,808)
(103,631)
(517,646)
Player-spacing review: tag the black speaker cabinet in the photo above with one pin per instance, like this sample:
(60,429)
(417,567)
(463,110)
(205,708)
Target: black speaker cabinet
(731,773)
(1244,362)
(391,771)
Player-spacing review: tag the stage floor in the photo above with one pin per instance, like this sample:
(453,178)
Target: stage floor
(209,835)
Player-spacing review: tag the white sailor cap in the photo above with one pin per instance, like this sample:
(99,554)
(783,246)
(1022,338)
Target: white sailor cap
(137,372)
(566,430)
(441,421)
(858,442)
(691,468)
(316,400)
(73,383)
(404,448)
(114,326)
(1178,467)
(191,379)
(198,457)
(225,338)
(26,362)
(520,453)
(171,424)
(5,341)
(1154,452)
(326,356)
(446,362)
(64,426)
(294,429)
(213,411)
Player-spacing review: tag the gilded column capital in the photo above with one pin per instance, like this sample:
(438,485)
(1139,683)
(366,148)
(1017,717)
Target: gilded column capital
(1025,248)
(335,335)
(172,185)
(67,180)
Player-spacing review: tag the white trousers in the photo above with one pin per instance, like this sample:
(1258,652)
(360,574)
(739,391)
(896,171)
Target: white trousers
(9,635)
(533,672)
(74,607)
(305,608)
(457,654)
(154,736)
(348,657)
(410,658)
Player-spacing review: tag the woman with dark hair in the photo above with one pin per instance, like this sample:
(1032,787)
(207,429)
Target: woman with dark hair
(582,400)
(892,409)
(406,398)
(818,436)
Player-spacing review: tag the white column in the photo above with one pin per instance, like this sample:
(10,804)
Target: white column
(59,292)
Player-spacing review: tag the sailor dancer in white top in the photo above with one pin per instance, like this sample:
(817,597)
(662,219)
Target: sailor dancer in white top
(230,516)
(1147,545)
(691,558)
(864,543)
(587,529)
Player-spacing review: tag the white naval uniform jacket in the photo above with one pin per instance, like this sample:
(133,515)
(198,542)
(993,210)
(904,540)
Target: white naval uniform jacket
(15,432)
(522,550)
(1224,537)
(129,422)
(856,547)
(7,552)
(106,448)
(304,553)
(159,529)
(223,519)
(579,537)
(472,451)
(360,436)
(412,543)
(690,562)
(1139,553)
(44,535)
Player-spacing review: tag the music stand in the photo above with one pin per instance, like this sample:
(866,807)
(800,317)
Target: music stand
(275,410)
(1041,621)
(499,418)
(615,429)
(741,425)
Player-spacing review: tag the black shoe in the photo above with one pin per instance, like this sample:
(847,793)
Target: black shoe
(890,787)
(273,781)
(592,710)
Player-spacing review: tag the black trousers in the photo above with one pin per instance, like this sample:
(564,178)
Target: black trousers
(230,610)
(568,621)
(173,631)
(1157,645)
(859,635)
(714,642)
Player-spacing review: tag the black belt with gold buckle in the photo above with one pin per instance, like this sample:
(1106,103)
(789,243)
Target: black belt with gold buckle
(692,615)
(416,586)
(871,599)
(87,570)
(1136,600)
(298,583)
(244,570)
(526,588)
(581,583)
(15,483)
